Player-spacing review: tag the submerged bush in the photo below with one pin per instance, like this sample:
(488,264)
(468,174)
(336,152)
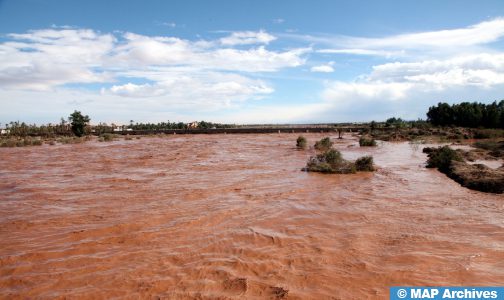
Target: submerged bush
(27,142)
(488,133)
(65,140)
(301,142)
(72,140)
(332,157)
(495,148)
(332,161)
(367,142)
(474,176)
(8,143)
(364,163)
(441,158)
(106,137)
(324,144)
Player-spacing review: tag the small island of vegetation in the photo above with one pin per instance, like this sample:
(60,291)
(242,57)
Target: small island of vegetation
(474,176)
(331,161)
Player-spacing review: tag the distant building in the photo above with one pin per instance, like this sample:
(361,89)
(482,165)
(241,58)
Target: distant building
(4,131)
(193,125)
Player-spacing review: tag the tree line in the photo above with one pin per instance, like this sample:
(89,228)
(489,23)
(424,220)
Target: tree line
(468,114)
(78,124)
(174,125)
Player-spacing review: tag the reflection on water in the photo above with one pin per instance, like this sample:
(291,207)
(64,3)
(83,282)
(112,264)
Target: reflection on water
(233,216)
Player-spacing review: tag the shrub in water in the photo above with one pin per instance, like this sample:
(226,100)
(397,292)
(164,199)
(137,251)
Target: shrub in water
(332,157)
(301,142)
(65,140)
(495,148)
(330,161)
(107,137)
(441,158)
(364,163)
(9,143)
(324,144)
(367,142)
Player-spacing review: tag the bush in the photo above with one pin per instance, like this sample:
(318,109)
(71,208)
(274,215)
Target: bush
(474,176)
(364,163)
(65,140)
(495,148)
(324,144)
(441,158)
(301,142)
(37,142)
(331,161)
(8,143)
(27,142)
(71,140)
(106,137)
(488,133)
(367,142)
(332,157)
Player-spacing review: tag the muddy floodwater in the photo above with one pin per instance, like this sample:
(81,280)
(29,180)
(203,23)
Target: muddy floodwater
(233,217)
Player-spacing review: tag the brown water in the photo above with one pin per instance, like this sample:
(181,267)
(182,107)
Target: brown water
(232,216)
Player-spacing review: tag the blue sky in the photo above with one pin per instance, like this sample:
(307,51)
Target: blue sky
(246,61)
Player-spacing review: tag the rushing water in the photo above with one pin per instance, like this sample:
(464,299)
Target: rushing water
(232,216)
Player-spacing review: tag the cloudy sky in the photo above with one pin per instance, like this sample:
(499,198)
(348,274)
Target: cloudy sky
(246,61)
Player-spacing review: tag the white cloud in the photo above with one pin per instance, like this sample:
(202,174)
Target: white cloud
(209,89)
(482,70)
(350,91)
(322,69)
(247,38)
(278,21)
(43,59)
(447,66)
(169,24)
(437,43)
(141,51)
(136,90)
(481,33)
(202,75)
(363,52)
(407,89)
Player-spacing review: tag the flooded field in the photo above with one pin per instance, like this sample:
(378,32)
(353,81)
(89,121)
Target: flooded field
(232,217)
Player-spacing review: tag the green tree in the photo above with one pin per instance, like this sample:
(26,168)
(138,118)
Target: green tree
(78,122)
(373,126)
